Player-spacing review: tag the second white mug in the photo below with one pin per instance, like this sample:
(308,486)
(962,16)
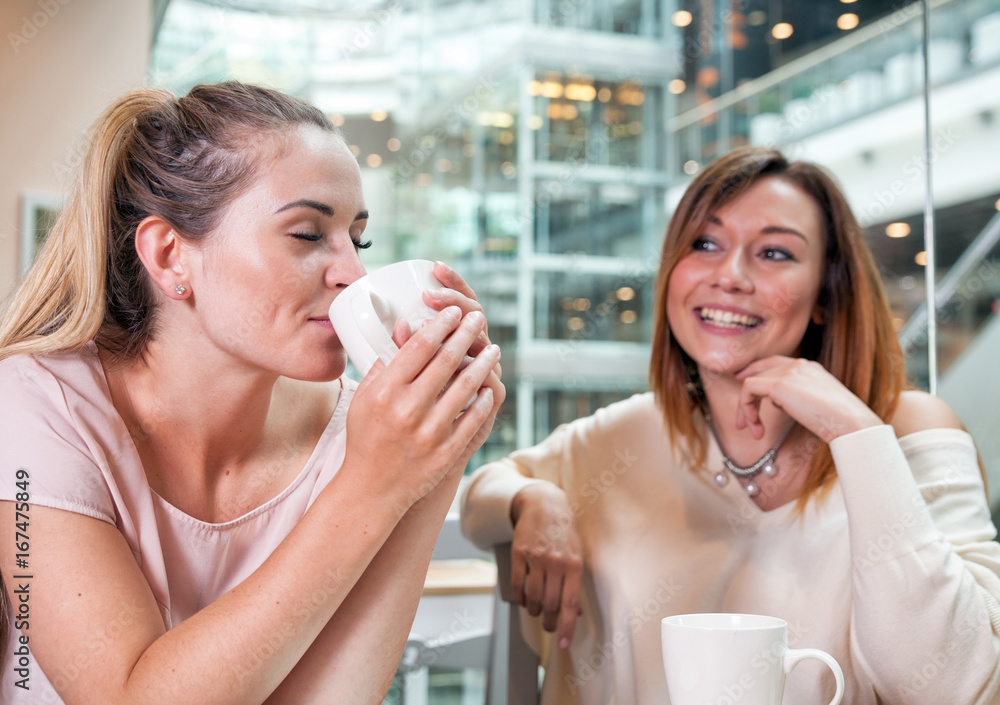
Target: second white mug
(733,659)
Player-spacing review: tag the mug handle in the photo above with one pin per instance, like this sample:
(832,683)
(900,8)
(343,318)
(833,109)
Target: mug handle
(793,656)
(372,328)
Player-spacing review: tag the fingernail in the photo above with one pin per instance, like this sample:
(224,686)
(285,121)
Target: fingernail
(453,312)
(437,294)
(564,643)
(494,350)
(476,317)
(444,265)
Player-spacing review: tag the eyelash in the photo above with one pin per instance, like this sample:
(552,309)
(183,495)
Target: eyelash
(358,244)
(700,244)
(785,254)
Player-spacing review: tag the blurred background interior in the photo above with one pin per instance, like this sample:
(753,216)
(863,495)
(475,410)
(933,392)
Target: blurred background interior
(539,146)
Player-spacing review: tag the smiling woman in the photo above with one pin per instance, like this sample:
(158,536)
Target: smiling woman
(776,468)
(189,486)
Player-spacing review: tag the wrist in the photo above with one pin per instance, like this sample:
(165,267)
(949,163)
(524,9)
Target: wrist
(540,493)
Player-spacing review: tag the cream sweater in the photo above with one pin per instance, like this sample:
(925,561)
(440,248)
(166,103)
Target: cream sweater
(895,573)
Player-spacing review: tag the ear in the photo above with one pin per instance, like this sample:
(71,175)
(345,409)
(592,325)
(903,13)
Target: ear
(818,315)
(160,249)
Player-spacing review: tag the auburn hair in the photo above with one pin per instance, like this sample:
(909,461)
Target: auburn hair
(856,341)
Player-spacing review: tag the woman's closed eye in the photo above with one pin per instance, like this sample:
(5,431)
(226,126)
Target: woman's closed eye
(309,237)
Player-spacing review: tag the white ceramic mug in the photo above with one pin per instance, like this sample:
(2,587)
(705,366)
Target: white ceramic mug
(732,659)
(364,314)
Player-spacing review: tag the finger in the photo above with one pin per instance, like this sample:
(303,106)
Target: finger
(453,280)
(761,366)
(424,344)
(401,333)
(472,425)
(440,298)
(447,363)
(466,384)
(570,608)
(518,573)
(551,601)
(534,589)
(753,392)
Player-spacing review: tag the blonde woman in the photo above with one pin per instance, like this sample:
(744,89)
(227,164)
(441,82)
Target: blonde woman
(208,510)
(777,467)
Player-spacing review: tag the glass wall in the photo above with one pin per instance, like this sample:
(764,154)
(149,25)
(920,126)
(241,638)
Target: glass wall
(540,145)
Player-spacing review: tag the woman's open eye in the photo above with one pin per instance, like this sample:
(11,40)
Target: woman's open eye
(703,244)
(776,254)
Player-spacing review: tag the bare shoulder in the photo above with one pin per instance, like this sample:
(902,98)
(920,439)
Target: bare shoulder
(920,411)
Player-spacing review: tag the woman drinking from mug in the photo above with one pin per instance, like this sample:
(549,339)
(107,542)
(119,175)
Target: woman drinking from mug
(778,467)
(216,514)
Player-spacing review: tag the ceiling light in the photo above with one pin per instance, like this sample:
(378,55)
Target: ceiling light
(393,144)
(379,115)
(921,258)
(897,229)
(374,160)
(681,18)
(782,30)
(676,86)
(847,21)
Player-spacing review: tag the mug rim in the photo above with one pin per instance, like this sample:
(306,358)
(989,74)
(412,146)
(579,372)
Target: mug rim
(726,621)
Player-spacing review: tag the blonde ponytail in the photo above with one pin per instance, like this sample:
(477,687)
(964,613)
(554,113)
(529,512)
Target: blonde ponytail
(60,303)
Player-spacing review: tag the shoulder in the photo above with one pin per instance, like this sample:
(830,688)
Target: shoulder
(920,411)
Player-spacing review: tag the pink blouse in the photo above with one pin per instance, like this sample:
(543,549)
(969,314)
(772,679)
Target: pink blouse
(57,423)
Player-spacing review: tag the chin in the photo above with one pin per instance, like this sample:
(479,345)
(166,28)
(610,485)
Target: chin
(317,370)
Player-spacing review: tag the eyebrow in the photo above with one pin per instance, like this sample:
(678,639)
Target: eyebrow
(316,205)
(766,230)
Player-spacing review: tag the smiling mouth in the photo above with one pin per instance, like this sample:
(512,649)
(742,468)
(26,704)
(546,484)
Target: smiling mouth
(728,319)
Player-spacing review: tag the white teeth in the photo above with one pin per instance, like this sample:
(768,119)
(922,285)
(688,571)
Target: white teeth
(728,319)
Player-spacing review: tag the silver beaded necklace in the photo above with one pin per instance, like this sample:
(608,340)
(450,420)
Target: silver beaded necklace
(764,465)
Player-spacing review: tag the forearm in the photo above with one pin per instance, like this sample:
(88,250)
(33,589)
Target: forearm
(239,649)
(924,553)
(355,656)
(488,501)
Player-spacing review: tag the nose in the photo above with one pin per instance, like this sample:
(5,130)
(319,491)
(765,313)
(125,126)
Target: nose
(732,272)
(344,268)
